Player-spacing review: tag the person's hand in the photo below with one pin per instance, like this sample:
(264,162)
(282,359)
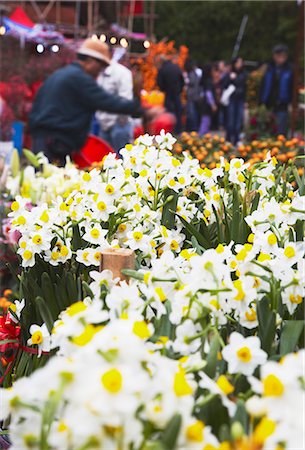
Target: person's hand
(232,75)
(214,108)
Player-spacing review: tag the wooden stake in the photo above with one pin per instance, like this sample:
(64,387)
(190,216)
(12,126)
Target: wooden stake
(116,259)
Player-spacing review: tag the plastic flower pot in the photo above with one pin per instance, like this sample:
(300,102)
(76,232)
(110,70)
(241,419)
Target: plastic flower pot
(93,151)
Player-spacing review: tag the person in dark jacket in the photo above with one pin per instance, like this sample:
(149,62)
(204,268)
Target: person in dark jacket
(235,110)
(170,81)
(276,92)
(207,102)
(64,106)
(192,96)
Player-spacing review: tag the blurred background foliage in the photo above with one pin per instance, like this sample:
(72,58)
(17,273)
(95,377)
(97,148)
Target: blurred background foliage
(210,28)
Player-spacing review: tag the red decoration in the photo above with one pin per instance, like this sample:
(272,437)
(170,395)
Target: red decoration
(19,16)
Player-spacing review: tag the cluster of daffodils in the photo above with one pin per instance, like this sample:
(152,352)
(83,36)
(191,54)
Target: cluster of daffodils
(113,384)
(197,335)
(225,284)
(44,183)
(279,402)
(111,392)
(125,204)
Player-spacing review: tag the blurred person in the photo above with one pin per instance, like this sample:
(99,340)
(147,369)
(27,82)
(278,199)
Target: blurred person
(236,80)
(276,91)
(116,129)
(207,103)
(192,82)
(217,91)
(170,80)
(224,68)
(66,102)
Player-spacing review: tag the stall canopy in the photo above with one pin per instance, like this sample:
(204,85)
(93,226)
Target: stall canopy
(21,26)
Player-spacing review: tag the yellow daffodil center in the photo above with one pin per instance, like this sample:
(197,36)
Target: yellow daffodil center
(95,233)
(194,432)
(272,240)
(272,386)
(37,337)
(112,381)
(244,354)
(37,239)
(141,329)
(137,235)
(109,189)
(264,429)
(297,299)
(15,206)
(86,336)
(76,308)
(181,385)
(174,245)
(289,252)
(27,255)
(225,385)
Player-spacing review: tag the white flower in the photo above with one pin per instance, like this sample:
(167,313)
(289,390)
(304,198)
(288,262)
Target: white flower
(243,355)
(95,235)
(165,140)
(41,337)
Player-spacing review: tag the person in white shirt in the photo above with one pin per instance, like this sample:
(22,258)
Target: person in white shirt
(116,129)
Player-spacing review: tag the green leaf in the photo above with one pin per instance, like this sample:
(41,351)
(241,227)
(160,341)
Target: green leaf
(236,216)
(169,209)
(76,237)
(300,181)
(163,326)
(266,324)
(87,290)
(255,202)
(44,313)
(241,415)
(170,435)
(153,445)
(290,336)
(199,249)
(194,232)
(49,295)
(210,368)
(31,158)
(71,285)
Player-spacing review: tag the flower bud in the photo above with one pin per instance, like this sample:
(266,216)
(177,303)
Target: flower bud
(237,431)
(256,406)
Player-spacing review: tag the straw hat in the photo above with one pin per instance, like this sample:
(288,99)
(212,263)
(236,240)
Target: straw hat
(96,49)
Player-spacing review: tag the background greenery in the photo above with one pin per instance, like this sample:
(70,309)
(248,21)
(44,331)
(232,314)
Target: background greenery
(210,28)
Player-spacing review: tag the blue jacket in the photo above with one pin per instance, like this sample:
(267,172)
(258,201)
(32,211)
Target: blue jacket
(66,102)
(283,95)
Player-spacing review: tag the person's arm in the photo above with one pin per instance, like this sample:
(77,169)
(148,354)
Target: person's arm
(95,98)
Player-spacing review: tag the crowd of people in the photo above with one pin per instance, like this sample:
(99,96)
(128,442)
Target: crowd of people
(96,84)
(216,94)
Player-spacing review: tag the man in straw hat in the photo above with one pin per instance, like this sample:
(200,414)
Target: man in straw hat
(62,111)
